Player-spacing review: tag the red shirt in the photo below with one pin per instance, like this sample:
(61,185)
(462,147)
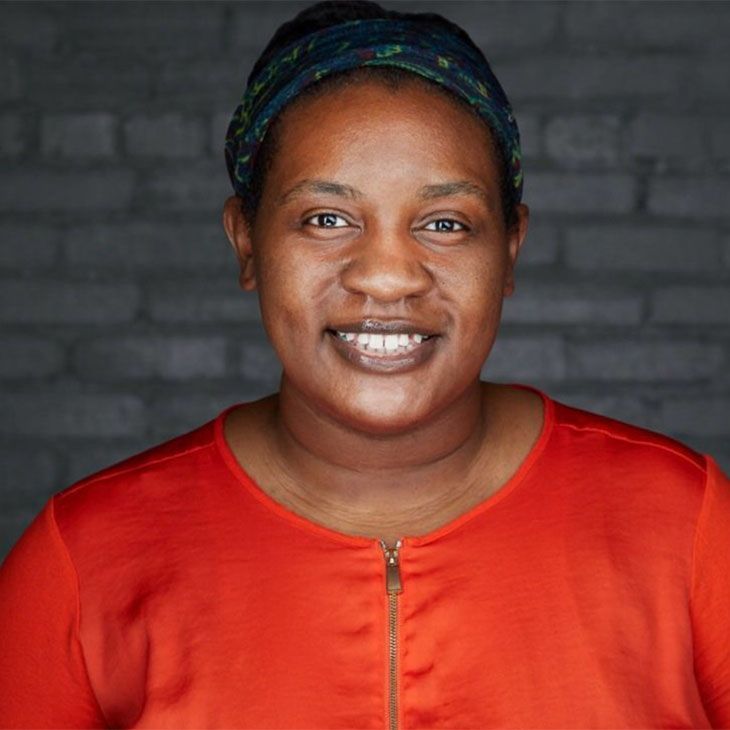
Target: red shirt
(169,591)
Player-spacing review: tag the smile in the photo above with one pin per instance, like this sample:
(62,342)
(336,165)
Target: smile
(391,352)
(392,344)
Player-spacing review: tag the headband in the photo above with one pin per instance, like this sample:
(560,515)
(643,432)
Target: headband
(424,48)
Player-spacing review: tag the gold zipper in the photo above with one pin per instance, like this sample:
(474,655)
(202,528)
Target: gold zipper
(393,587)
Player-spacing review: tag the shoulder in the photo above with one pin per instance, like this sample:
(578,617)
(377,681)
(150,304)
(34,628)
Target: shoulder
(166,455)
(598,431)
(638,489)
(179,452)
(148,483)
(616,453)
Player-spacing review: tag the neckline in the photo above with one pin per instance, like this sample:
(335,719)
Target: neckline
(295,519)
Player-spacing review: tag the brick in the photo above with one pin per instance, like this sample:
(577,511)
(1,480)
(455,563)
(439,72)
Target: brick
(504,25)
(98,82)
(708,71)
(629,409)
(85,459)
(13,524)
(720,137)
(530,135)
(259,364)
(198,188)
(27,477)
(582,77)
(574,141)
(153,356)
(12,141)
(11,81)
(29,191)
(711,445)
(175,415)
(205,83)
(668,137)
(656,24)
(142,246)
(580,193)
(29,357)
(28,27)
(78,135)
(71,415)
(526,359)
(28,246)
(690,197)
(540,247)
(177,29)
(722,457)
(698,415)
(30,302)
(691,305)
(642,248)
(254,22)
(561,304)
(166,135)
(213,302)
(218,128)
(644,361)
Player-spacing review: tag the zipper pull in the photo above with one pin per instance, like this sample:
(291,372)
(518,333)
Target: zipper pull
(392,568)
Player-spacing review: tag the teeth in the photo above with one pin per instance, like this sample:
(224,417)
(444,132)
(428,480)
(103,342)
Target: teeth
(390,343)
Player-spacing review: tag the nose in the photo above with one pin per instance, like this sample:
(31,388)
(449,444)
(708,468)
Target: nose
(387,266)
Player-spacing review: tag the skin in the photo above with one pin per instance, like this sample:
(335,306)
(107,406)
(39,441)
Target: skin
(363,451)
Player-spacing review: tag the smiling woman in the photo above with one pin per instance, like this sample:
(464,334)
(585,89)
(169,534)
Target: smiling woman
(387,541)
(380,278)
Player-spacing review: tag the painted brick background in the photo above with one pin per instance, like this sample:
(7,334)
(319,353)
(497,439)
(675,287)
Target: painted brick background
(121,321)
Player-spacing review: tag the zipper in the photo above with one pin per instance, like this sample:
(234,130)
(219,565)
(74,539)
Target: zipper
(393,587)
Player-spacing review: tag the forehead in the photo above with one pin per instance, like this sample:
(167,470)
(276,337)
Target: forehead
(377,125)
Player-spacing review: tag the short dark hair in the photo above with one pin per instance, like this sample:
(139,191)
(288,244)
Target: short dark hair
(333,12)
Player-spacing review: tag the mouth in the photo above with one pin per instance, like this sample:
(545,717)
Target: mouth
(383,346)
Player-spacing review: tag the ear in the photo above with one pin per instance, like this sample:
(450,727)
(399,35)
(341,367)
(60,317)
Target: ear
(515,238)
(239,235)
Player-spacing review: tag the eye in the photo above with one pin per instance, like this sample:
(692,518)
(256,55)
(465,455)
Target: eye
(325,220)
(446,225)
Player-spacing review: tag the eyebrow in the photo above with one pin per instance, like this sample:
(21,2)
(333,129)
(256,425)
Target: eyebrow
(326,187)
(427,192)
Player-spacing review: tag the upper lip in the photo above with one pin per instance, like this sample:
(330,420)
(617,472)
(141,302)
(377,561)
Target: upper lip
(384,326)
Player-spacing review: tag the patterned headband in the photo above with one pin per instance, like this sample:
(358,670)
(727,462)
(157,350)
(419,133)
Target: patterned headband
(423,48)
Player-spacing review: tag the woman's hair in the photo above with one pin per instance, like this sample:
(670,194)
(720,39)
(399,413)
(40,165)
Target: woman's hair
(333,12)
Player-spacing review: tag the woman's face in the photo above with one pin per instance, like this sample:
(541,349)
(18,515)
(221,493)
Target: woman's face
(380,221)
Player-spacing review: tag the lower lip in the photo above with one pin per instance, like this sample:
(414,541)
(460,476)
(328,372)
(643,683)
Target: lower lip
(383,362)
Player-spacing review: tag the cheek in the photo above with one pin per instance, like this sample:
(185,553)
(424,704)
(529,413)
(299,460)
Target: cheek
(478,288)
(291,296)
(279,293)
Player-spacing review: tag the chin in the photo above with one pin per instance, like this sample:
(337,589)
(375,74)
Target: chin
(376,424)
(380,414)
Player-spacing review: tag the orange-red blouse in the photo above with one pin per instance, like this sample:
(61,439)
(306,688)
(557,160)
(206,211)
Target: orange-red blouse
(170,591)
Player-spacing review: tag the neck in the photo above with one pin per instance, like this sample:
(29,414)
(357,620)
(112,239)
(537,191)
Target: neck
(359,476)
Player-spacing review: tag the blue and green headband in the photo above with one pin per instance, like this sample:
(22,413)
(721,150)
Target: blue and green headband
(423,48)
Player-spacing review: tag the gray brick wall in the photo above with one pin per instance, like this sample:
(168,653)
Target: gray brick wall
(120,316)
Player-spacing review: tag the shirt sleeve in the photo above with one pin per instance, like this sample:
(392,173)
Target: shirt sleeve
(710,598)
(43,677)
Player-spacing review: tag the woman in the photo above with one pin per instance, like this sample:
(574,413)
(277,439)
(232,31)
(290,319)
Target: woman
(387,541)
